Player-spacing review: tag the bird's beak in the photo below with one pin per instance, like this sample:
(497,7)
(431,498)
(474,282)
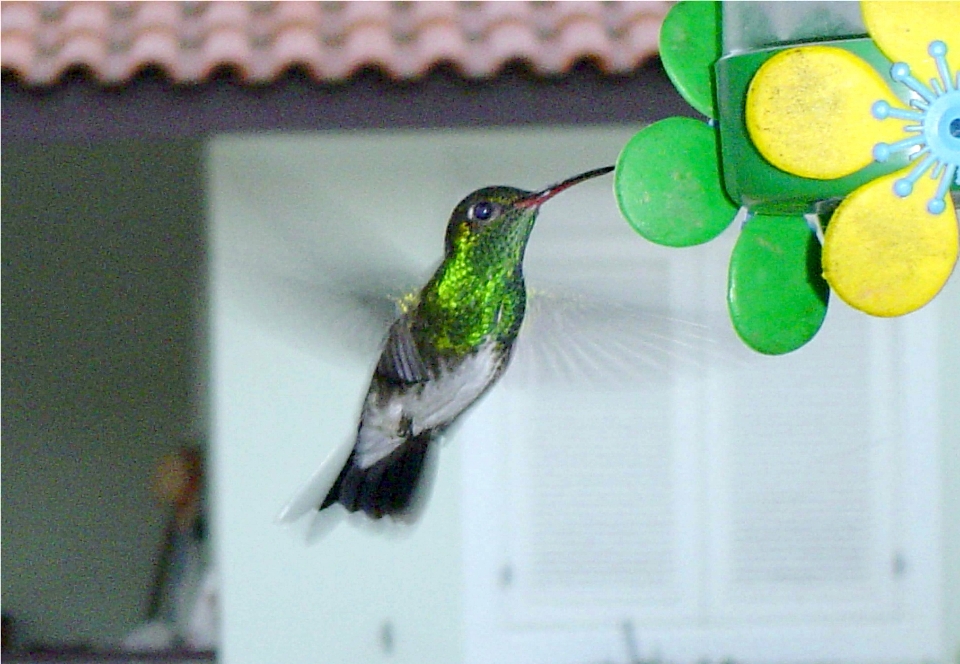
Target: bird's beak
(538,198)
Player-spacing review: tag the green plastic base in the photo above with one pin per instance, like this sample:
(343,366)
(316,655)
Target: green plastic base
(752,181)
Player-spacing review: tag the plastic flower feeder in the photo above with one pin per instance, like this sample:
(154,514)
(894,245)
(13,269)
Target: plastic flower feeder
(795,129)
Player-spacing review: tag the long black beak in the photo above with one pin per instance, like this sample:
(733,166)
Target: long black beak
(538,198)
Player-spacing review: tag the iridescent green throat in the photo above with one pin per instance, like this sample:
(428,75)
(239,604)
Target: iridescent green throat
(478,294)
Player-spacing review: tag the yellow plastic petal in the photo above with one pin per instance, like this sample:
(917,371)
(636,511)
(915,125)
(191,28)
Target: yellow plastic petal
(808,112)
(887,255)
(904,30)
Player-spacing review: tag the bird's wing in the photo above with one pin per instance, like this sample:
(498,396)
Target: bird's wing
(327,289)
(348,316)
(400,361)
(590,340)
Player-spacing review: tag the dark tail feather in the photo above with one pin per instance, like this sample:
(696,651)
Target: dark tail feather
(391,486)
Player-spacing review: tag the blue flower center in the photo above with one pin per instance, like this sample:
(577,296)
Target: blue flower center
(941,127)
(936,138)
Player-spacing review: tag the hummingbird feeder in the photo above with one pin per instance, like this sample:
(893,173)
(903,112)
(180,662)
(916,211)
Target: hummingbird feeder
(832,134)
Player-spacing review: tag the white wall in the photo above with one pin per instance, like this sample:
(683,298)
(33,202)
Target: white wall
(949,375)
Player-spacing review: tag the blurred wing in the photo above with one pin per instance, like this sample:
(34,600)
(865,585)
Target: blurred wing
(347,318)
(320,284)
(591,341)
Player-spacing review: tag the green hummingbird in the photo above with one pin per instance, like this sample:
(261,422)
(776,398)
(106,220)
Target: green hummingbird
(449,346)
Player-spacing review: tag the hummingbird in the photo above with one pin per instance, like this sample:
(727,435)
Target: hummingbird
(450,344)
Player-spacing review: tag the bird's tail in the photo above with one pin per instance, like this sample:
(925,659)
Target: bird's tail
(389,487)
(310,496)
(393,486)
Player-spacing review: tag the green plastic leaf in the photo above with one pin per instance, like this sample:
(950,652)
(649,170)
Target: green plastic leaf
(667,183)
(689,47)
(775,292)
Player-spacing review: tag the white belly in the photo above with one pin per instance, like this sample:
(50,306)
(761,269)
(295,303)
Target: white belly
(409,411)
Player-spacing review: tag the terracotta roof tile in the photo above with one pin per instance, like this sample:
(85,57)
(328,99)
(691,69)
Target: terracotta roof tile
(332,40)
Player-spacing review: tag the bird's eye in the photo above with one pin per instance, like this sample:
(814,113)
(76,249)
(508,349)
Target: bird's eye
(483,211)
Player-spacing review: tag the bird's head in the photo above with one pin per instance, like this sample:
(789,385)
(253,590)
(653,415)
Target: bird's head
(495,222)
